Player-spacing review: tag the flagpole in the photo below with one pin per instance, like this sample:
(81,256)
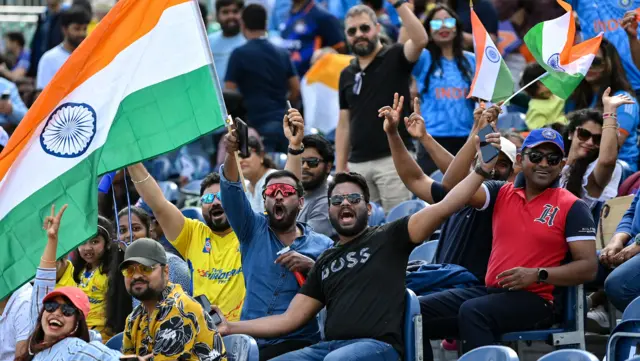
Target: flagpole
(524,87)
(237,154)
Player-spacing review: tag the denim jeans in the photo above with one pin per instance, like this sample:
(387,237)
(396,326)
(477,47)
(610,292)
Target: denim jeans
(364,349)
(622,284)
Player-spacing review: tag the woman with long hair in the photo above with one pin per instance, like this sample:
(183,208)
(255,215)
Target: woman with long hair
(607,71)
(591,172)
(134,223)
(256,167)
(443,76)
(59,317)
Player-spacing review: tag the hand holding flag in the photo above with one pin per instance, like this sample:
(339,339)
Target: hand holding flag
(630,22)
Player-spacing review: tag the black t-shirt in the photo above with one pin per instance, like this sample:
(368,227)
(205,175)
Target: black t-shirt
(466,237)
(388,73)
(362,285)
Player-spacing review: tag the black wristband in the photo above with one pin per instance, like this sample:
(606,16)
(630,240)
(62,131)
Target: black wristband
(478,169)
(296,151)
(399,3)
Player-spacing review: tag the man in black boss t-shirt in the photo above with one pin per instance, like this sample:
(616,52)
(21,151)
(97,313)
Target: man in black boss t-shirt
(361,279)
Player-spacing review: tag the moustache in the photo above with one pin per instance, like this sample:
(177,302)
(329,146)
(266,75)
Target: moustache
(134,282)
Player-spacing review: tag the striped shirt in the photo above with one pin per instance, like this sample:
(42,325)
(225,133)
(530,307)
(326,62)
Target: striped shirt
(15,325)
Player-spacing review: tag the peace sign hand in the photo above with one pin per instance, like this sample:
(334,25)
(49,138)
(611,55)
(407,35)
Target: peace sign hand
(52,222)
(392,114)
(415,122)
(630,23)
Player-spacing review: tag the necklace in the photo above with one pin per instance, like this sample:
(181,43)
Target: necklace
(84,280)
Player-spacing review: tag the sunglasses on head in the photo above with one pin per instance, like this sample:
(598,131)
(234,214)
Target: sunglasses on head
(436,24)
(272,190)
(132,269)
(584,135)
(67,310)
(353,198)
(311,162)
(364,28)
(211,197)
(537,157)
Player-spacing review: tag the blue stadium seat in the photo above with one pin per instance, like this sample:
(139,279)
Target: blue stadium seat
(624,340)
(161,168)
(512,121)
(377,215)
(203,166)
(412,328)
(405,208)
(115,342)
(632,312)
(437,176)
(490,353)
(241,348)
(626,170)
(170,191)
(569,355)
(424,252)
(193,213)
(280,159)
(192,188)
(569,333)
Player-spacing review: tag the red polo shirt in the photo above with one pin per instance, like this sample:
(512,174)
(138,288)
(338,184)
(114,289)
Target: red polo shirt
(535,233)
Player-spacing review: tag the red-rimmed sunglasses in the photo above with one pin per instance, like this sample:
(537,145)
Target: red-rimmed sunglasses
(272,190)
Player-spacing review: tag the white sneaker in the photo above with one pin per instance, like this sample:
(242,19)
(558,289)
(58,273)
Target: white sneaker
(597,320)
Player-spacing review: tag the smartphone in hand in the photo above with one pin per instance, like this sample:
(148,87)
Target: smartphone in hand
(204,302)
(242,131)
(488,151)
(293,129)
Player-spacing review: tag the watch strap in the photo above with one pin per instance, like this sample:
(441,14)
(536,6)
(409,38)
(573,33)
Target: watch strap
(399,3)
(478,169)
(296,151)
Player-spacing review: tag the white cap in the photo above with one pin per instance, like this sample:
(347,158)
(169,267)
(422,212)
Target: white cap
(509,149)
(4,137)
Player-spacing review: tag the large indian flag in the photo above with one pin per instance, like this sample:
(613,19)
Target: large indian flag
(493,80)
(142,84)
(552,45)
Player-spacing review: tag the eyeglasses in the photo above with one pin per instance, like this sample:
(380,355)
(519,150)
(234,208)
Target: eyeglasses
(364,28)
(353,198)
(597,62)
(537,157)
(211,197)
(312,162)
(436,24)
(272,190)
(138,268)
(584,135)
(67,310)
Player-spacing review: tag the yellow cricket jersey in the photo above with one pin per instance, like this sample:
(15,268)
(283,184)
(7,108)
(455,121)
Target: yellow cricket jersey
(66,280)
(217,266)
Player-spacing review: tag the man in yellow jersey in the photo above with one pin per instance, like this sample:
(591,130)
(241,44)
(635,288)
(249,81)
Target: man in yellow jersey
(211,249)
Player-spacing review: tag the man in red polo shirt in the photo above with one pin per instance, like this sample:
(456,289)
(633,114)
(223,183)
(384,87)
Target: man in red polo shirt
(535,224)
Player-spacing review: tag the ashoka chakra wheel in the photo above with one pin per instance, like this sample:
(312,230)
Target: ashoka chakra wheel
(69,130)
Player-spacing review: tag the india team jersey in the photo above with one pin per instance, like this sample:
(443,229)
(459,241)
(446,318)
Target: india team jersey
(216,266)
(598,16)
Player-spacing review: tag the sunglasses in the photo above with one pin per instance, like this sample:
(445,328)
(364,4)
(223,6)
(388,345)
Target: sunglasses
(436,24)
(67,310)
(584,135)
(311,162)
(353,198)
(138,268)
(364,28)
(211,197)
(597,62)
(272,190)
(537,157)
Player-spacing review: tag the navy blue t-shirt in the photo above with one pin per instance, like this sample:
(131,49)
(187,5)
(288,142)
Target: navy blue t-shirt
(261,71)
(306,31)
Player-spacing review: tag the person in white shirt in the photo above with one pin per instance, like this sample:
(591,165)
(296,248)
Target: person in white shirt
(15,323)
(256,167)
(224,42)
(74,23)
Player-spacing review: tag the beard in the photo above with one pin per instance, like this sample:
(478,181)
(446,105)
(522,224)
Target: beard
(230,28)
(314,182)
(287,221)
(148,294)
(362,219)
(367,49)
(219,225)
(75,41)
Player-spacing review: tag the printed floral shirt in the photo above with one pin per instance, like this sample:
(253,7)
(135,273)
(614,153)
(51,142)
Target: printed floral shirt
(177,329)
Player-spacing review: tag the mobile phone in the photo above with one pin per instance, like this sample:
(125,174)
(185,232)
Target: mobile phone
(488,151)
(5,95)
(204,302)
(215,317)
(294,130)
(128,357)
(242,130)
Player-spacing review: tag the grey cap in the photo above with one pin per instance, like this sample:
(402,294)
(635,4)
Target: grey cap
(145,251)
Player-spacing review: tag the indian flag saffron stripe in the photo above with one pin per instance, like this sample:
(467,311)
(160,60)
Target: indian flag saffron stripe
(552,45)
(141,85)
(493,80)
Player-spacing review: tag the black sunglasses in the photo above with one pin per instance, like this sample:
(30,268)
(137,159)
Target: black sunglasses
(353,198)
(597,62)
(312,162)
(537,157)
(67,310)
(364,28)
(584,135)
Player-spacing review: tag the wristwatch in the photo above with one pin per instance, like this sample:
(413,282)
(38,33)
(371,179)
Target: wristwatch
(478,169)
(296,151)
(636,239)
(543,275)
(399,3)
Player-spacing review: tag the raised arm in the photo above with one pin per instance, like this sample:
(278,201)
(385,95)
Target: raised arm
(606,163)
(630,25)
(293,120)
(417,128)
(415,31)
(168,215)
(342,141)
(425,222)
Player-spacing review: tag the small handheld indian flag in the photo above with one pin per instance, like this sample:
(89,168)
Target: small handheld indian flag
(493,80)
(140,85)
(552,45)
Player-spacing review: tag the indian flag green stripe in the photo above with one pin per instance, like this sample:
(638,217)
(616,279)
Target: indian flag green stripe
(504,83)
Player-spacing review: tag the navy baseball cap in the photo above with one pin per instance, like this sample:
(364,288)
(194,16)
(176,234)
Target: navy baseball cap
(544,135)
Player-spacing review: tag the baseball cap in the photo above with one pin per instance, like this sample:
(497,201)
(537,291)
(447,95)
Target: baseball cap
(509,149)
(4,137)
(544,135)
(75,295)
(145,251)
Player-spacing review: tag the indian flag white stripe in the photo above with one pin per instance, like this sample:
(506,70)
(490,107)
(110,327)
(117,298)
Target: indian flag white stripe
(142,64)
(554,33)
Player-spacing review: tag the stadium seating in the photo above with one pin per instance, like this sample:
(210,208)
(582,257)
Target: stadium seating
(412,328)
(624,340)
(377,215)
(632,312)
(405,208)
(170,191)
(115,342)
(424,252)
(241,348)
(569,355)
(193,213)
(192,188)
(490,353)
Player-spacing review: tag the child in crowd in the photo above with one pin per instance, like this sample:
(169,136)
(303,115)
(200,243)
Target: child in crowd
(545,109)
